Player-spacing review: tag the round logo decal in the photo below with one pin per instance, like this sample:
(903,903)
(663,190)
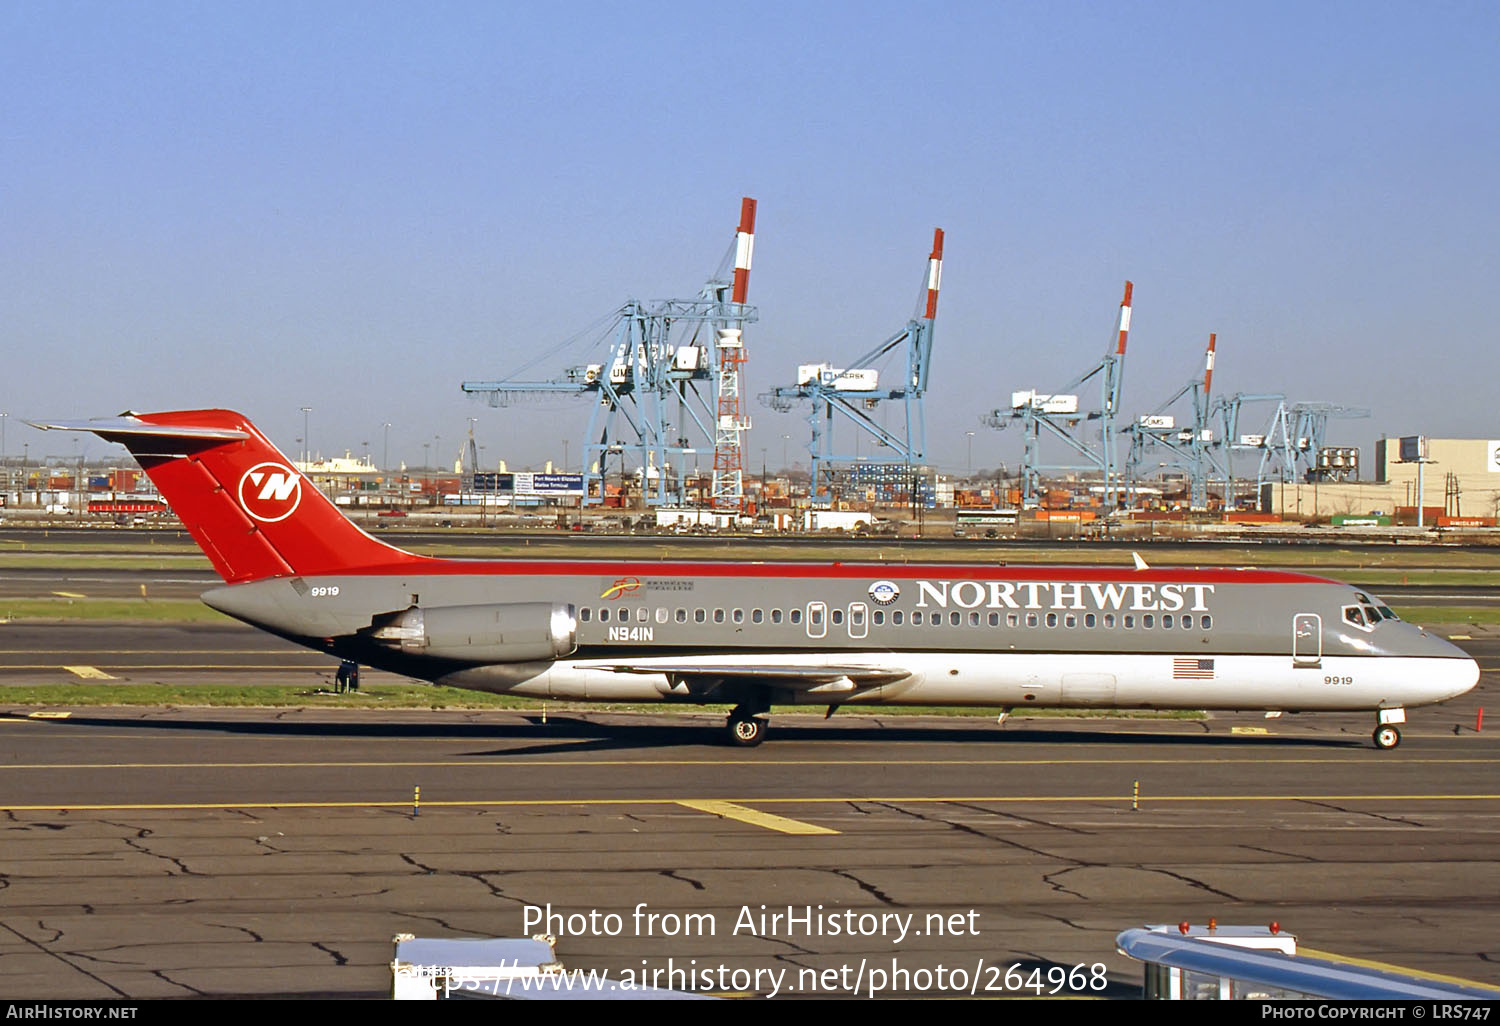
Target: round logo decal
(270,492)
(884,592)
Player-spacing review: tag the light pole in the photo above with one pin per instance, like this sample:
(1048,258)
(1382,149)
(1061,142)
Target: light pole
(385,454)
(784,440)
(306,439)
(2,451)
(969,462)
(565,456)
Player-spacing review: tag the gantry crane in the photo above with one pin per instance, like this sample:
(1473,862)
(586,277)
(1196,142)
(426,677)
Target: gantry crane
(1057,415)
(665,380)
(854,391)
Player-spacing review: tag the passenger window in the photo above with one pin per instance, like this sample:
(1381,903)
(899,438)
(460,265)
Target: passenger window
(1012,619)
(1051,619)
(775,616)
(661,615)
(796,616)
(973,619)
(756,616)
(718,616)
(699,616)
(682,616)
(955,618)
(897,617)
(604,615)
(1109,621)
(916,617)
(1148,621)
(994,619)
(1187,622)
(1207,622)
(815,615)
(1089,619)
(1128,621)
(1070,621)
(585,614)
(738,616)
(1031,620)
(838,617)
(1166,621)
(879,616)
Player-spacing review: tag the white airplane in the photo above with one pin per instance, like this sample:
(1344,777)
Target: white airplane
(754,635)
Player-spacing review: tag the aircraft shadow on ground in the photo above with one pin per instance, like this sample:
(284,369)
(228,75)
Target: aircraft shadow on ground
(576,735)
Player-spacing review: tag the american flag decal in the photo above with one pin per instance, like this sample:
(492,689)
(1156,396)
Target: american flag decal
(1192,669)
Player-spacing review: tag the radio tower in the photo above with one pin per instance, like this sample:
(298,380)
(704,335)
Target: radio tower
(728,491)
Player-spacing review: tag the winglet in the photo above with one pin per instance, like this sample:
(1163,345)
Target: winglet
(1140,564)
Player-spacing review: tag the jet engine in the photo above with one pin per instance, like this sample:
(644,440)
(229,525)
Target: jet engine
(512,632)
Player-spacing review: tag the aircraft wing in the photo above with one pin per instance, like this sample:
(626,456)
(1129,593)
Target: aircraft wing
(808,676)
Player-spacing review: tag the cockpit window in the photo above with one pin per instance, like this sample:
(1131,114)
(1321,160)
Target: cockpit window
(1388,613)
(1354,616)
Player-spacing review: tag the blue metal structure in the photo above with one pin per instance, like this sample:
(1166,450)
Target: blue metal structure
(1057,415)
(854,392)
(654,374)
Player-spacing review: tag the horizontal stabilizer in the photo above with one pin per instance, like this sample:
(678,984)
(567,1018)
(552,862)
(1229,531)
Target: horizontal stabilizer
(129,424)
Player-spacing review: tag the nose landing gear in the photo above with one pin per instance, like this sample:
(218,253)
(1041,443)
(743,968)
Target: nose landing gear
(1386,735)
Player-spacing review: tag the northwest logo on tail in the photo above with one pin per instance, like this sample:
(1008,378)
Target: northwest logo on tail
(270,492)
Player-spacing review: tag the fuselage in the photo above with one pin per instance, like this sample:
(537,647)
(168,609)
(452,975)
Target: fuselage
(937,634)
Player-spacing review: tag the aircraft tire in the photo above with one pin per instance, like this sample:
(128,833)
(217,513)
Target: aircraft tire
(1386,737)
(746,731)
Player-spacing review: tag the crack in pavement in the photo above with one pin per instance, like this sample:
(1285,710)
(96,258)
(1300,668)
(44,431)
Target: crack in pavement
(671,874)
(243,929)
(1192,883)
(868,888)
(998,813)
(161,974)
(1283,854)
(71,965)
(1365,812)
(1048,879)
(338,959)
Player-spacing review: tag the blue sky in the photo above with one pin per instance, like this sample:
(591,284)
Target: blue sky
(356,206)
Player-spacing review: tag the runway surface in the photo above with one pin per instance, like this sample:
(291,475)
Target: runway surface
(213,852)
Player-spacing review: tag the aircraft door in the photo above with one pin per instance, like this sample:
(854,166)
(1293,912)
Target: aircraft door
(859,620)
(1307,640)
(817,619)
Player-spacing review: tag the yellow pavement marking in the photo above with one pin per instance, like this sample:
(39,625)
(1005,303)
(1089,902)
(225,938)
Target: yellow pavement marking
(88,672)
(69,594)
(1370,963)
(848,799)
(729,810)
(48,715)
(1460,637)
(1248,730)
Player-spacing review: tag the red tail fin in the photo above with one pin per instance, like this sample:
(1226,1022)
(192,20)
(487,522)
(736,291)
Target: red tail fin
(250,511)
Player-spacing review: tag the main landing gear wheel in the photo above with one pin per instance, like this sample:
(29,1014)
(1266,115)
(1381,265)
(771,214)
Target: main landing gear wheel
(1386,737)
(746,731)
